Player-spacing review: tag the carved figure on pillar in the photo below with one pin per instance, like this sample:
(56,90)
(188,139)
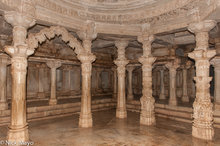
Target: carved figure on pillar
(121,63)
(147,116)
(172,66)
(202,106)
(4,61)
(53,65)
(19,51)
(86,58)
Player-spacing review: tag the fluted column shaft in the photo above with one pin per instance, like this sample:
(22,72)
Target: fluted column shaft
(202,106)
(3,81)
(147,116)
(53,65)
(130,95)
(121,62)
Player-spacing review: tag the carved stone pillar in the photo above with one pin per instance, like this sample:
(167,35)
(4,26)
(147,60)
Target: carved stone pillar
(172,66)
(53,65)
(162,88)
(41,93)
(121,62)
(147,116)
(202,106)
(115,83)
(130,95)
(19,51)
(185,97)
(216,63)
(4,61)
(86,58)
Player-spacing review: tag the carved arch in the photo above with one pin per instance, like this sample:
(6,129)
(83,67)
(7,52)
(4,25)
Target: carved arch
(33,40)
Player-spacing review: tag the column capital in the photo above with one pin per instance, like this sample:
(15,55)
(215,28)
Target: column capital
(19,19)
(87,35)
(130,68)
(146,40)
(86,58)
(121,45)
(172,66)
(147,60)
(121,63)
(216,62)
(202,54)
(4,59)
(20,22)
(202,26)
(53,64)
(201,30)
(187,65)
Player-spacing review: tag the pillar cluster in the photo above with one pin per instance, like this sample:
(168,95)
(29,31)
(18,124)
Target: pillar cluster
(147,116)
(202,106)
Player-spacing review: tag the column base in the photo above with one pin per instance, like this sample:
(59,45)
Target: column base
(85,121)
(206,133)
(18,135)
(52,102)
(185,98)
(121,114)
(162,96)
(3,105)
(130,97)
(144,120)
(173,102)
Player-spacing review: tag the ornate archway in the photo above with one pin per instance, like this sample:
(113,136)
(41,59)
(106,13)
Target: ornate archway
(33,40)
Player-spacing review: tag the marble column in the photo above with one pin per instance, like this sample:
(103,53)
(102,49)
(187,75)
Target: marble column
(185,97)
(53,65)
(202,107)
(121,63)
(4,61)
(147,116)
(19,51)
(130,95)
(115,83)
(162,88)
(216,63)
(172,66)
(41,92)
(86,58)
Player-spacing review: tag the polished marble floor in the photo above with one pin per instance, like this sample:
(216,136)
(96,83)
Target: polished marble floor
(109,131)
